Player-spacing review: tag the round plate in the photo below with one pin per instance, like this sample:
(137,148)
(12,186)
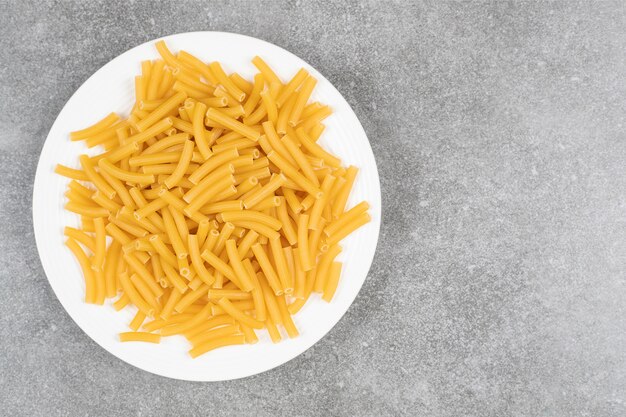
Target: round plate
(112,89)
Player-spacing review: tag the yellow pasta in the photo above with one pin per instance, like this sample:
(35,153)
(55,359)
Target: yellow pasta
(257,293)
(219,73)
(291,86)
(332,281)
(190,297)
(303,242)
(268,269)
(274,184)
(280,263)
(348,228)
(322,268)
(275,143)
(198,66)
(217,343)
(270,106)
(223,212)
(241,82)
(123,175)
(292,173)
(72,173)
(301,159)
(342,196)
(270,300)
(238,315)
(183,164)
(96,128)
(321,203)
(161,111)
(95,178)
(303,96)
(250,215)
(83,260)
(233,124)
(346,218)
(197,261)
(243,279)
(140,337)
(200,330)
(134,295)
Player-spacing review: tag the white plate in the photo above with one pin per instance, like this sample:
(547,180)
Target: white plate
(111,89)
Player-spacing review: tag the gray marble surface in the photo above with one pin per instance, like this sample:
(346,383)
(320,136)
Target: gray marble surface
(499,285)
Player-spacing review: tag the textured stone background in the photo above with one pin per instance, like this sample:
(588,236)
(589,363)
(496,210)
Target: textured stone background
(498,288)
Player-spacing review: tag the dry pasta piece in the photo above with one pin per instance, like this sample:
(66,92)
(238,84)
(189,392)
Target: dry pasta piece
(270,106)
(320,204)
(183,164)
(96,178)
(241,305)
(135,324)
(303,96)
(216,294)
(83,260)
(123,175)
(96,128)
(348,228)
(233,124)
(199,130)
(273,331)
(122,302)
(274,184)
(322,268)
(301,160)
(134,296)
(178,328)
(168,308)
(250,215)
(257,292)
(219,264)
(258,227)
(197,65)
(270,300)
(315,149)
(249,334)
(198,263)
(238,315)
(217,343)
(244,281)
(281,264)
(81,237)
(299,275)
(303,243)
(140,337)
(342,197)
(214,332)
(72,173)
(332,281)
(241,82)
(265,69)
(346,218)
(291,86)
(268,268)
(207,325)
(288,323)
(291,172)
(223,79)
(161,111)
(190,297)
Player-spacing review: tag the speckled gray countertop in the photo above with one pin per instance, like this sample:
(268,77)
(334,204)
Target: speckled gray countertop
(499,285)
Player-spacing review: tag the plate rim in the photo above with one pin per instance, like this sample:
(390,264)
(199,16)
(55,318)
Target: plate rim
(41,172)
